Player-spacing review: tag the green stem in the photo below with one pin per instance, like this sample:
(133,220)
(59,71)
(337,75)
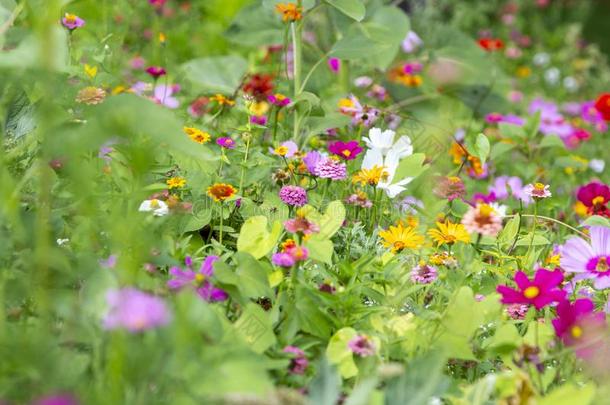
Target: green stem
(243,168)
(533,232)
(297,49)
(275,117)
(556,221)
(221,222)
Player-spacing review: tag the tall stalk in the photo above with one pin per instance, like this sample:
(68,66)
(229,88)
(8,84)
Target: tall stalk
(297,51)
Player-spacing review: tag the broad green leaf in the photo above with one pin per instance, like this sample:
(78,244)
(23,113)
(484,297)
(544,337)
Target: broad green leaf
(351,8)
(511,131)
(339,353)
(569,394)
(329,222)
(310,315)
(527,239)
(508,234)
(501,149)
(320,124)
(253,277)
(256,328)
(551,141)
(320,249)
(410,166)
(325,388)
(482,147)
(255,26)
(221,74)
(596,220)
(254,238)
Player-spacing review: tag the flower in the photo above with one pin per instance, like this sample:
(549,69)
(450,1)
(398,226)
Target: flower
(300,224)
(298,253)
(591,115)
(222,100)
(423,273)
(329,168)
(449,233)
(384,141)
(156,71)
(259,85)
(517,311)
(362,346)
(258,120)
(290,12)
(163,95)
(400,237)
(279,100)
(287,149)
(197,135)
(482,219)
(595,197)
(589,260)
(374,159)
(539,292)
(361,115)
(411,42)
(90,71)
(91,95)
(334,64)
(282,259)
(579,325)
(602,104)
(58,399)
(311,160)
(443,259)
(345,150)
(505,186)
(371,176)
(537,190)
(221,191)
(72,21)
(199,280)
(450,188)
(134,310)
(359,199)
(159,208)
(491,44)
(298,362)
(225,142)
(176,182)
(293,195)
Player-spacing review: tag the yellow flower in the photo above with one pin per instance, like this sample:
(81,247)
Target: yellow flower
(346,103)
(523,71)
(289,11)
(91,71)
(220,191)
(553,260)
(449,233)
(259,108)
(370,176)
(581,209)
(399,237)
(162,37)
(176,182)
(222,100)
(197,135)
(281,150)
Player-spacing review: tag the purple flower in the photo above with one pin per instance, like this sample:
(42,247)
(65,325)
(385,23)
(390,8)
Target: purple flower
(551,120)
(105,150)
(299,362)
(311,160)
(279,100)
(345,150)
(411,42)
(156,71)
(164,95)
(58,399)
(258,120)
(72,21)
(331,169)
(334,64)
(226,142)
(199,280)
(362,346)
(110,262)
(287,149)
(293,195)
(589,260)
(505,186)
(590,114)
(134,310)
(282,259)
(494,118)
(423,274)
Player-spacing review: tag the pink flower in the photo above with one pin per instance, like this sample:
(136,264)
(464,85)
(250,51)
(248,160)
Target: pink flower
(302,225)
(164,95)
(334,65)
(411,42)
(72,21)
(134,310)
(345,150)
(298,253)
(137,63)
(331,169)
(539,292)
(537,190)
(279,100)
(156,71)
(258,120)
(482,219)
(199,280)
(282,259)
(517,311)
(298,363)
(424,274)
(293,195)
(362,346)
(450,188)
(225,142)
(579,325)
(589,260)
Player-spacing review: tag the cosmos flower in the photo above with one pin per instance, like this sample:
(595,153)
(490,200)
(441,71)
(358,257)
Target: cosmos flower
(505,186)
(293,195)
(543,290)
(412,42)
(423,273)
(578,325)
(164,95)
(72,21)
(449,233)
(595,197)
(134,310)
(384,141)
(537,190)
(298,361)
(589,260)
(482,219)
(225,142)
(311,160)
(156,71)
(200,280)
(400,237)
(362,346)
(220,192)
(287,149)
(158,207)
(361,115)
(345,150)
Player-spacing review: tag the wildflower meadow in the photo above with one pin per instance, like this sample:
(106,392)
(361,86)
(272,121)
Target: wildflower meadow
(384,202)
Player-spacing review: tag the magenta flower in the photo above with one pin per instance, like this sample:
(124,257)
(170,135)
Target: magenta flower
(279,100)
(539,292)
(412,68)
(595,196)
(258,120)
(226,142)
(334,64)
(72,21)
(329,168)
(134,310)
(589,260)
(293,195)
(362,346)
(579,325)
(592,115)
(156,71)
(423,274)
(157,3)
(299,362)
(345,150)
(282,259)
(199,280)
(59,399)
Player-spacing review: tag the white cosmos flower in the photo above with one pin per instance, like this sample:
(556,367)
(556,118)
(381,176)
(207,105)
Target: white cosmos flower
(374,157)
(500,209)
(384,141)
(597,165)
(158,207)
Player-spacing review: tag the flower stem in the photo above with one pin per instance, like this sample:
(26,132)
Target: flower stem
(297,49)
(243,168)
(533,232)
(221,222)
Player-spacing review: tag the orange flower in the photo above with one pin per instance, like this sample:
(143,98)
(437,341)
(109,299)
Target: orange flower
(289,11)
(222,100)
(220,191)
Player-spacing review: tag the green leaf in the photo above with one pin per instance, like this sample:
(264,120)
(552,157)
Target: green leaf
(596,220)
(508,234)
(339,353)
(511,131)
(538,240)
(196,222)
(311,318)
(255,26)
(255,327)
(329,222)
(221,74)
(254,238)
(325,388)
(351,8)
(320,124)
(410,166)
(253,277)
(320,249)
(500,149)
(569,394)
(551,141)
(482,148)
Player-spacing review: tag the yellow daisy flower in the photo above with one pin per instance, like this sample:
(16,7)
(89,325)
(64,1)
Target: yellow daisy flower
(449,233)
(400,237)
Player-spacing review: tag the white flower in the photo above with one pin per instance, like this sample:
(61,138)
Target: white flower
(363,81)
(411,42)
(374,157)
(570,84)
(500,209)
(552,76)
(541,59)
(61,242)
(597,165)
(384,141)
(158,207)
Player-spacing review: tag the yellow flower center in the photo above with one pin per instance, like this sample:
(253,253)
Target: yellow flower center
(154,203)
(346,153)
(531,292)
(539,186)
(398,245)
(599,200)
(602,265)
(346,103)
(485,210)
(281,150)
(199,278)
(70,18)
(576,331)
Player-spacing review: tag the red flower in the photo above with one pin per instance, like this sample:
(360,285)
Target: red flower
(539,292)
(491,44)
(602,104)
(260,86)
(595,196)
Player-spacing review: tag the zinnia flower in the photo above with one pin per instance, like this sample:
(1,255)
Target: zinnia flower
(72,21)
(482,219)
(595,196)
(359,199)
(330,168)
(517,311)
(449,233)
(345,150)
(537,190)
(197,135)
(579,325)
(199,280)
(134,310)
(589,260)
(91,95)
(423,273)
(541,291)
(225,142)
(450,188)
(156,71)
(279,100)
(602,104)
(362,346)
(176,182)
(158,207)
(260,86)
(298,362)
(293,195)
(399,237)
(282,259)
(290,12)
(221,191)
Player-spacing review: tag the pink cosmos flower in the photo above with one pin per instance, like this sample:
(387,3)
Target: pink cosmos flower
(362,346)
(589,260)
(72,21)
(345,150)
(164,95)
(226,142)
(334,64)
(579,325)
(156,71)
(134,310)
(198,280)
(539,292)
